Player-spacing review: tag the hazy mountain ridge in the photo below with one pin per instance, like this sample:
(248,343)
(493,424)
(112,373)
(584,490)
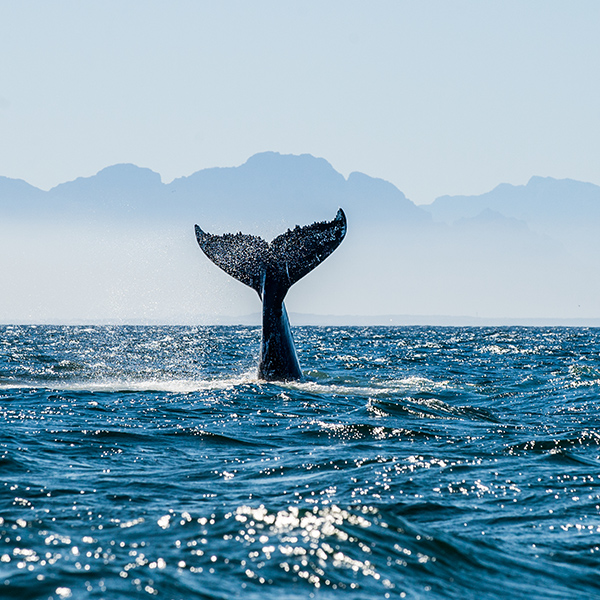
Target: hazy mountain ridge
(14,194)
(119,245)
(270,183)
(544,203)
(268,188)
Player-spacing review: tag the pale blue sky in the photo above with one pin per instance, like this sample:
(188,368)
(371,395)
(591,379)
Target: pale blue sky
(435,96)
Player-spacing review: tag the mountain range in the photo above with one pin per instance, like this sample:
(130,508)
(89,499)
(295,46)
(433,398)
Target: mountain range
(119,246)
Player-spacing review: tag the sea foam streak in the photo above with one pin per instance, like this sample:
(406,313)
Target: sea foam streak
(174,386)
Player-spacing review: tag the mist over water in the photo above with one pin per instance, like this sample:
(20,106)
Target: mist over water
(409,463)
(119,247)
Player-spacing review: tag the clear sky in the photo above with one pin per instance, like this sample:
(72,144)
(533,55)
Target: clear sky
(438,97)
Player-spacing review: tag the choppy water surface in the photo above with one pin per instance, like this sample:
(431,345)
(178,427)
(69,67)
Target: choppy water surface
(411,463)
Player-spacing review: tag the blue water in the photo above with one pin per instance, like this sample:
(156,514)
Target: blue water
(141,462)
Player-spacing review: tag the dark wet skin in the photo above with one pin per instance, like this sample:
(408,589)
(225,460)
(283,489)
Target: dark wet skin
(271,269)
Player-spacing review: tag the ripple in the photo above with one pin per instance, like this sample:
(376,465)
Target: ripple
(410,462)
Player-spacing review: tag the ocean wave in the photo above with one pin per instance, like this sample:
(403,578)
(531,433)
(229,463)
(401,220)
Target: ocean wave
(142,462)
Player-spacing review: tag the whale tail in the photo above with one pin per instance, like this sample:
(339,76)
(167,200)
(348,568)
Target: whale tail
(271,269)
(285,260)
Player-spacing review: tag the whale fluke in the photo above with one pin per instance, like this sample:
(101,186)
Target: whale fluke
(271,269)
(239,255)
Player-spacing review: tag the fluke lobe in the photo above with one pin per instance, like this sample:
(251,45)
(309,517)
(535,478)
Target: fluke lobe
(271,269)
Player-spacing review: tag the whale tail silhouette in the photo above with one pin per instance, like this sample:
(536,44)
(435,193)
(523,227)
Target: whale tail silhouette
(288,258)
(271,269)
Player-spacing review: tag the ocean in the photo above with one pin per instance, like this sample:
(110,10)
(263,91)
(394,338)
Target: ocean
(411,462)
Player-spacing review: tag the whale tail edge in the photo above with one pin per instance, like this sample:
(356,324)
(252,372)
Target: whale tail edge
(289,257)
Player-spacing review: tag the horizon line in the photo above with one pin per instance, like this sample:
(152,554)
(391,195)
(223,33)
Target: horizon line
(318,320)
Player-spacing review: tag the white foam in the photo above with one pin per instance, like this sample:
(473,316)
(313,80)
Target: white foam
(187,386)
(384,388)
(179,386)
